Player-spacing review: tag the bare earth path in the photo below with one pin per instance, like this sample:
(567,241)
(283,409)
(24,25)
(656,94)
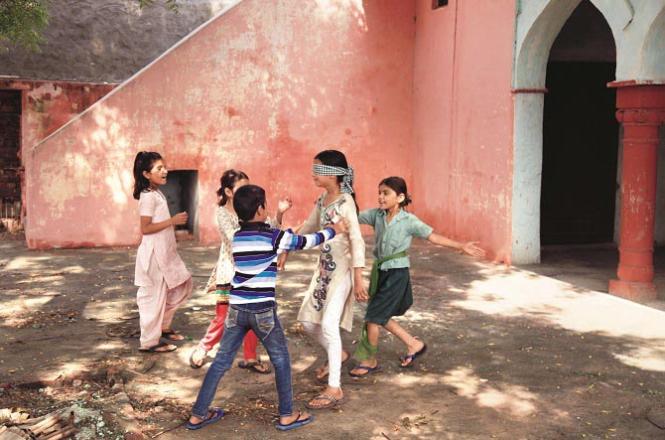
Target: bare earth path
(512,354)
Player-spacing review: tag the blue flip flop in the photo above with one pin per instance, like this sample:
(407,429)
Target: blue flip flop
(297,423)
(411,358)
(214,415)
(369,370)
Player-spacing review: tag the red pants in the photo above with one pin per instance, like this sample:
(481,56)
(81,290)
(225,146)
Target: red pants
(216,330)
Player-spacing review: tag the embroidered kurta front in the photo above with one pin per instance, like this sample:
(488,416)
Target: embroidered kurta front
(336,262)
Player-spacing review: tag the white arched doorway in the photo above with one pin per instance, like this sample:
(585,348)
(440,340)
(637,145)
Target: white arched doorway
(539,24)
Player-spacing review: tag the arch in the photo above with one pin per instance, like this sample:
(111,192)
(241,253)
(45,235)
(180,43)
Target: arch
(533,49)
(653,50)
(532,54)
(531,60)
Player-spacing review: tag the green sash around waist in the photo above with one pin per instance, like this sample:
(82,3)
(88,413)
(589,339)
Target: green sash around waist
(374,276)
(365,350)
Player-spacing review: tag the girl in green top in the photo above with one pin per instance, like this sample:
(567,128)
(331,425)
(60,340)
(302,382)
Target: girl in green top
(390,287)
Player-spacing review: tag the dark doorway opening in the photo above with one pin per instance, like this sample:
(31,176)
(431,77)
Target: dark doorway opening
(181,191)
(10,162)
(580,147)
(580,134)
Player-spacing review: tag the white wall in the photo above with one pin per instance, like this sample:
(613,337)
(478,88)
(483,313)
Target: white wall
(638,27)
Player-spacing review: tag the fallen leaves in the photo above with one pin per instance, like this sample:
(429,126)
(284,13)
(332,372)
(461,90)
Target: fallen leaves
(412,423)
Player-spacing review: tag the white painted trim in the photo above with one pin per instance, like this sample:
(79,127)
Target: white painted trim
(539,23)
(534,39)
(527,173)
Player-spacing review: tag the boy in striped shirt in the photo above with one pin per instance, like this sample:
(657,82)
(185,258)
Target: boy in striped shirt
(252,305)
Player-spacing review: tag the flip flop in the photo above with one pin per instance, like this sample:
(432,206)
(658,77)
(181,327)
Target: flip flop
(155,348)
(411,358)
(254,366)
(297,423)
(369,370)
(214,415)
(332,402)
(172,335)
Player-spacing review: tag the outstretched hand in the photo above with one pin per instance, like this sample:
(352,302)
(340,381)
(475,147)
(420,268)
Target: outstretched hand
(284,205)
(471,248)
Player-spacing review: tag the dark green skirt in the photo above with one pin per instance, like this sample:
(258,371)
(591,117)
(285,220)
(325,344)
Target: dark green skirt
(393,296)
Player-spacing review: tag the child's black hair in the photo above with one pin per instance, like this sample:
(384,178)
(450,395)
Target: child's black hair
(336,158)
(229,180)
(143,161)
(398,185)
(246,201)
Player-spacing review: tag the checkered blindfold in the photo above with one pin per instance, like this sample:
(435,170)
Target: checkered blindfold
(328,170)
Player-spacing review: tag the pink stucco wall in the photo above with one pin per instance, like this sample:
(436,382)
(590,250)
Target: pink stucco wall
(463,120)
(47,106)
(263,88)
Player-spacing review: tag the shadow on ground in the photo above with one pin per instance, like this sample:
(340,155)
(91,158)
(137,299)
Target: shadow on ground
(512,353)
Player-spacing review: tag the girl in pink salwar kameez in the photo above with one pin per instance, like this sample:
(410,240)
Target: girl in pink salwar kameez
(163,280)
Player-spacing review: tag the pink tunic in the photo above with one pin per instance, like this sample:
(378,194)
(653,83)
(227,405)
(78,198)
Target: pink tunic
(162,245)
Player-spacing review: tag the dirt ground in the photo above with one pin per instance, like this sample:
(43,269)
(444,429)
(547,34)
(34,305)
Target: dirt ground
(513,354)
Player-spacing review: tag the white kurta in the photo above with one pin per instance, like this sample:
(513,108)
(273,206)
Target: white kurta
(160,245)
(164,282)
(338,258)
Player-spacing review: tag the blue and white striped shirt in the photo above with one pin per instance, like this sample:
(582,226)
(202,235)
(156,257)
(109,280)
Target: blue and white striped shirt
(255,249)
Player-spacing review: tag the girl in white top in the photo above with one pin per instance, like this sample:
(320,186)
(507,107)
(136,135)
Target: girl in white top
(328,303)
(222,274)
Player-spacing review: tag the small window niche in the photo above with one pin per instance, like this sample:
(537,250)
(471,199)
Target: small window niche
(436,4)
(181,191)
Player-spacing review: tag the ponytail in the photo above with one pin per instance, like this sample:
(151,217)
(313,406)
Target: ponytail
(229,180)
(143,161)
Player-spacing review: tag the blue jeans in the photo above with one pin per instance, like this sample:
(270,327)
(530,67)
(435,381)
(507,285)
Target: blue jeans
(262,319)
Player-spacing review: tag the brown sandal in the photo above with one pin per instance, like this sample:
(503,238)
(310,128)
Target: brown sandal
(172,335)
(156,348)
(332,402)
(255,366)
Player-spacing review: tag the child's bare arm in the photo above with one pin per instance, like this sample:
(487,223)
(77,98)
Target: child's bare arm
(367,217)
(470,247)
(148,227)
